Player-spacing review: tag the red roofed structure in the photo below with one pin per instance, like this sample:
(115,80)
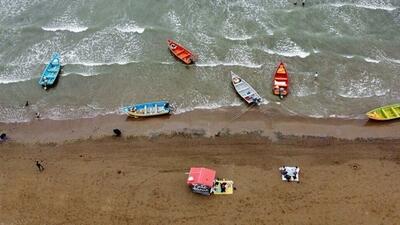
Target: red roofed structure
(201,180)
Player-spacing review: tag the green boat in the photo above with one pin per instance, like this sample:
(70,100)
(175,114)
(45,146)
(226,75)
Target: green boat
(388,112)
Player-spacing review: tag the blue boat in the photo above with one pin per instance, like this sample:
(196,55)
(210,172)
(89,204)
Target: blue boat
(50,73)
(148,109)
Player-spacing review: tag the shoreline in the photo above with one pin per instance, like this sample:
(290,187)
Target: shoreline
(268,123)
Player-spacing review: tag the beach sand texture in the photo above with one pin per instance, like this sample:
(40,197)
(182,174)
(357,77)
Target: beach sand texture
(140,179)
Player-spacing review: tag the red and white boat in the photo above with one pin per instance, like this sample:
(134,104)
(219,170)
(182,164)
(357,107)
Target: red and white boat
(280,84)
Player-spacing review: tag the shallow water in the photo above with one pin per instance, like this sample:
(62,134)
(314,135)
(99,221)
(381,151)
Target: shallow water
(115,53)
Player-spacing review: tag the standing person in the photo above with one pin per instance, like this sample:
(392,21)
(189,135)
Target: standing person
(117,132)
(26,104)
(39,166)
(3,137)
(316,75)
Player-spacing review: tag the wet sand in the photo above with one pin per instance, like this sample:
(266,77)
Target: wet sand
(348,170)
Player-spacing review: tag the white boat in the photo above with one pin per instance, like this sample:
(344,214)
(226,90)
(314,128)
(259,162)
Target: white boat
(245,90)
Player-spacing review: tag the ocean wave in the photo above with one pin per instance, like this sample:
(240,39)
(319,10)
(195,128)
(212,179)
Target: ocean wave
(348,56)
(210,106)
(367,59)
(239,38)
(75,29)
(291,53)
(80,74)
(366,87)
(287,48)
(92,64)
(215,64)
(130,28)
(393,60)
(365,6)
(9,81)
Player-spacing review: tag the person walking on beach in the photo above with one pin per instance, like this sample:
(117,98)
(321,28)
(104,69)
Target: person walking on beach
(26,104)
(39,166)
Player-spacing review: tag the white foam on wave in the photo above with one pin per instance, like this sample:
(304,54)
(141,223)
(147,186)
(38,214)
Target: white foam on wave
(287,48)
(66,112)
(367,59)
(365,87)
(75,29)
(348,56)
(393,60)
(81,74)
(365,6)
(209,106)
(9,81)
(130,28)
(239,38)
(215,64)
(92,64)
(299,53)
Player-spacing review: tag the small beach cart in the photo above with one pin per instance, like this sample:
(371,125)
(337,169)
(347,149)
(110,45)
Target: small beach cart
(203,181)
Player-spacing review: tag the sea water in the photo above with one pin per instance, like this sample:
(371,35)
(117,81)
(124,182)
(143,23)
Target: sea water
(115,53)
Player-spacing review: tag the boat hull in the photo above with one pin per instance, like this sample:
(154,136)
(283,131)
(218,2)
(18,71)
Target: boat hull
(50,74)
(280,83)
(148,109)
(244,90)
(389,112)
(180,52)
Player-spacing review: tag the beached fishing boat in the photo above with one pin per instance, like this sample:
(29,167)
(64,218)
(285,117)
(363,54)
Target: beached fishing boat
(280,84)
(388,112)
(50,72)
(148,109)
(245,90)
(181,52)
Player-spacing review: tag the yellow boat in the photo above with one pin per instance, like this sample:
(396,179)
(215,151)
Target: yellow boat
(388,112)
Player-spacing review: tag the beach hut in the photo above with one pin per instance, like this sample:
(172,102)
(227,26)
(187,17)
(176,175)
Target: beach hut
(201,180)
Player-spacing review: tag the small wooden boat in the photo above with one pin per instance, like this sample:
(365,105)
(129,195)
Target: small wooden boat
(388,112)
(245,90)
(50,72)
(148,109)
(280,85)
(181,52)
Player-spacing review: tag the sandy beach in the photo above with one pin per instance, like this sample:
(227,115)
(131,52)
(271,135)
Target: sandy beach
(348,170)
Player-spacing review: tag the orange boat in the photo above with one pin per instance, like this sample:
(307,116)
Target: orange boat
(181,52)
(280,85)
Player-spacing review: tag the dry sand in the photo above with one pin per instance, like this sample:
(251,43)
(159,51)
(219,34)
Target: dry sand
(349,171)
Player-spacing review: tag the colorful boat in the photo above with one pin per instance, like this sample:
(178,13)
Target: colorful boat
(388,112)
(245,90)
(280,85)
(148,109)
(181,52)
(50,72)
